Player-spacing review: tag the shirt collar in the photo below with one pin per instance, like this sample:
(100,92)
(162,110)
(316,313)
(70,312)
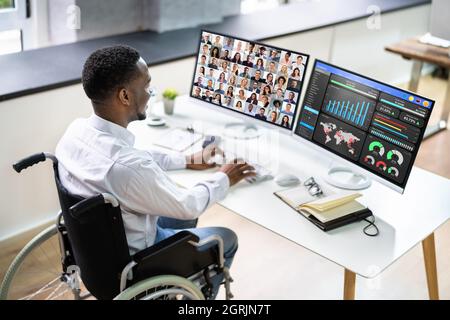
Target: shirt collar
(111,128)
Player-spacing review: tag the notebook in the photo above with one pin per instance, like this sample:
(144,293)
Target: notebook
(328,212)
(178,139)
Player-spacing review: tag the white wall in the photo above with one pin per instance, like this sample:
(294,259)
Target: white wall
(35,123)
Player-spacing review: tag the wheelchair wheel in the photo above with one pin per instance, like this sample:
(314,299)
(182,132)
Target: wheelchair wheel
(165,287)
(36,272)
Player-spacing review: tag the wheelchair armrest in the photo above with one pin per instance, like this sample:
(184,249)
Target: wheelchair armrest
(87,204)
(169,244)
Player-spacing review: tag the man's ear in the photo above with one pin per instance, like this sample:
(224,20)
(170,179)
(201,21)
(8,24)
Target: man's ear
(124,96)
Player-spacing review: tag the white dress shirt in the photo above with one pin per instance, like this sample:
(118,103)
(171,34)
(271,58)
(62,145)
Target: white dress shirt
(97,156)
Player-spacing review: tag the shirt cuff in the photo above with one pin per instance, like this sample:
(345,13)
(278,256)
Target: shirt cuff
(217,186)
(177,161)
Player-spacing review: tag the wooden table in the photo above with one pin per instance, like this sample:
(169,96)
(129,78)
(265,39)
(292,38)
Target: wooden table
(413,49)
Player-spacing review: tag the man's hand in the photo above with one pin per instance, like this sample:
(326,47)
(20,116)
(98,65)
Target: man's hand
(201,160)
(237,172)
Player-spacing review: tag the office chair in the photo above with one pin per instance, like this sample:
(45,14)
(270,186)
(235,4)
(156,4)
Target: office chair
(93,247)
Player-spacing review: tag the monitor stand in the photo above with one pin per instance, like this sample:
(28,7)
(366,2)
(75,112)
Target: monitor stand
(346,178)
(242,130)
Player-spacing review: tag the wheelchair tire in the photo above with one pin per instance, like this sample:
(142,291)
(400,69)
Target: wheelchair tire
(164,287)
(18,285)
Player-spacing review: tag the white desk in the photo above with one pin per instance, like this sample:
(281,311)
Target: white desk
(403,220)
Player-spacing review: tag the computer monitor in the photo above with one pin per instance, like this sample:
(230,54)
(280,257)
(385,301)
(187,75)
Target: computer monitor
(375,127)
(256,82)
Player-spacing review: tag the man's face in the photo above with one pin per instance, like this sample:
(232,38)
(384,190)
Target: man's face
(279,92)
(138,92)
(250,107)
(205,49)
(288,107)
(272,66)
(207,93)
(257,74)
(245,70)
(217,39)
(211,72)
(197,91)
(286,56)
(291,95)
(299,60)
(261,112)
(294,83)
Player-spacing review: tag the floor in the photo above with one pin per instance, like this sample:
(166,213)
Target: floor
(270,267)
(280,269)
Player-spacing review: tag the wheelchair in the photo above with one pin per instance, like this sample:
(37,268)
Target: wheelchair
(93,259)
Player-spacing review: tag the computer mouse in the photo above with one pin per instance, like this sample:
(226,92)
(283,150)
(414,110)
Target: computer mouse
(286,180)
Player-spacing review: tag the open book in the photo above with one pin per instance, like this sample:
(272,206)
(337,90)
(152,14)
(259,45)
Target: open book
(329,211)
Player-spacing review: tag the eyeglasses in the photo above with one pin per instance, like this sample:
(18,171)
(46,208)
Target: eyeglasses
(152,92)
(313,188)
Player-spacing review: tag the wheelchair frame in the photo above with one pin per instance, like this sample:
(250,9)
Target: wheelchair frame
(160,286)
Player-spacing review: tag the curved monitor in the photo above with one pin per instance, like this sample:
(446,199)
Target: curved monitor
(254,80)
(372,125)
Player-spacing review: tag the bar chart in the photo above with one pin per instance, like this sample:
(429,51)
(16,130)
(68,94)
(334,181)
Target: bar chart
(349,107)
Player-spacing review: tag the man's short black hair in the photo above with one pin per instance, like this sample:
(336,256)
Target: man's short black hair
(107,69)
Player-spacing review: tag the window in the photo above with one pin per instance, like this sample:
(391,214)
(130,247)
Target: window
(6,5)
(13,22)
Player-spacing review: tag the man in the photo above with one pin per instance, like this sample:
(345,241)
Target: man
(260,115)
(279,94)
(250,108)
(262,52)
(291,98)
(255,87)
(197,92)
(210,75)
(226,56)
(228,44)
(288,110)
(205,38)
(213,64)
(199,82)
(274,55)
(203,60)
(210,85)
(293,85)
(96,155)
(220,89)
(257,77)
(205,50)
(249,61)
(207,96)
(272,67)
(245,73)
(217,42)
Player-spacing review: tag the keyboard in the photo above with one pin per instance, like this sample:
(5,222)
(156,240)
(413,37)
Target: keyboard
(262,174)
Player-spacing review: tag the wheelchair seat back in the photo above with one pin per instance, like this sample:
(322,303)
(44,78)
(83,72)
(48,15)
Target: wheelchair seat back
(98,242)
